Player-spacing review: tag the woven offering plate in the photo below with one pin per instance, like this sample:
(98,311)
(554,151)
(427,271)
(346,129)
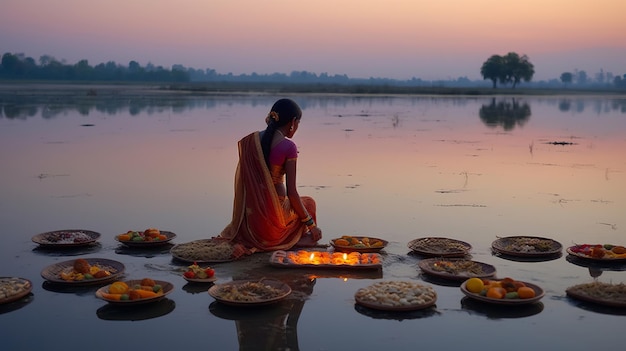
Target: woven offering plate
(439,247)
(203,251)
(612,295)
(526,246)
(359,248)
(198,280)
(167,288)
(13,289)
(396,296)
(140,244)
(539,293)
(574,251)
(301,259)
(456,268)
(66,238)
(250,292)
(53,272)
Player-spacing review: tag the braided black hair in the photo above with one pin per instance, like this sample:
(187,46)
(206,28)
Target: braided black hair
(282,112)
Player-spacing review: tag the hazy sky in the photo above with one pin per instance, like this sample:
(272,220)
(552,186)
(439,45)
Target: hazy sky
(428,39)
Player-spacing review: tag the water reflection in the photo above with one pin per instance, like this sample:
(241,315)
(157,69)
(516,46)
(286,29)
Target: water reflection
(397,315)
(147,252)
(595,307)
(16,305)
(68,251)
(595,266)
(83,290)
(140,312)
(527,258)
(197,288)
(497,311)
(439,281)
(271,327)
(505,113)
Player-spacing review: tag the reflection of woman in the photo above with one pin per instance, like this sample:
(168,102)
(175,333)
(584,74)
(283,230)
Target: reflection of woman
(277,328)
(268,212)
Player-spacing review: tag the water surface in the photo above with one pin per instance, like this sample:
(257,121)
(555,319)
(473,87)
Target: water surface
(399,168)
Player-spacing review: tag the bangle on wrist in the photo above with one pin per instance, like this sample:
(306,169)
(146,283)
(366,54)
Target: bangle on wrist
(310,223)
(306,219)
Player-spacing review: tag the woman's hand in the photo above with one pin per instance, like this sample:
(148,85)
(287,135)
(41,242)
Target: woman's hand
(316,233)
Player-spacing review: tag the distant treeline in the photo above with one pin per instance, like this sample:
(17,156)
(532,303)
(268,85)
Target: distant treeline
(20,67)
(47,68)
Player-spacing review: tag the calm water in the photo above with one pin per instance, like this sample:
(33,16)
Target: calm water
(399,168)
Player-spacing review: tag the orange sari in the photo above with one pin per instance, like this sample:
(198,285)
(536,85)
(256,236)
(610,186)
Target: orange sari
(261,220)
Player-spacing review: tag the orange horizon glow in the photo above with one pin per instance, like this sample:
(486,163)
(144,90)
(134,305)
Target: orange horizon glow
(244,36)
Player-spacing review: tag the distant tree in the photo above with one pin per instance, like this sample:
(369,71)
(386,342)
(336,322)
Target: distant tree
(45,60)
(511,68)
(493,69)
(600,76)
(567,77)
(82,70)
(620,82)
(518,68)
(11,64)
(581,77)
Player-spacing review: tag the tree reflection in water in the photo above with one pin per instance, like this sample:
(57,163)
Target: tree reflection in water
(505,113)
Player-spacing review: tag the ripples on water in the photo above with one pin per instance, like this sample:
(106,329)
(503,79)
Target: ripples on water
(470,168)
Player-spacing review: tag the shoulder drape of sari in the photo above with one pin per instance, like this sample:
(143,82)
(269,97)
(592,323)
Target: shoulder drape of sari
(260,221)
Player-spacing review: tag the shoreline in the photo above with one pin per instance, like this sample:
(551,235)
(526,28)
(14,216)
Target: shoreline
(95,90)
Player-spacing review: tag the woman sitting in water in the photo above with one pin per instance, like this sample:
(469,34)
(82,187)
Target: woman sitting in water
(267,215)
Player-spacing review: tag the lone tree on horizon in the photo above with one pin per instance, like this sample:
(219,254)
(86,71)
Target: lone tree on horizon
(511,68)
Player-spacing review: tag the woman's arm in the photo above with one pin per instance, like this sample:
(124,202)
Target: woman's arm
(292,190)
(294,198)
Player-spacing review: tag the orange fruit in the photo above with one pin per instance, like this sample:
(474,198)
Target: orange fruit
(123,237)
(525,292)
(474,285)
(496,292)
(342,242)
(118,288)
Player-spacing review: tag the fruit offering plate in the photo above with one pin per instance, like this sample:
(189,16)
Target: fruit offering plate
(456,268)
(166,288)
(165,238)
(526,246)
(439,247)
(599,252)
(613,295)
(358,244)
(197,274)
(250,292)
(203,251)
(396,296)
(55,272)
(324,259)
(539,293)
(66,238)
(200,280)
(13,289)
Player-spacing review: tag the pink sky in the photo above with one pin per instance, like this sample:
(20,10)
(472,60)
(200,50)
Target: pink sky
(361,38)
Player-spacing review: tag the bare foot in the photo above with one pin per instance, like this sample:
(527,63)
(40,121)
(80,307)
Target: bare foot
(306,241)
